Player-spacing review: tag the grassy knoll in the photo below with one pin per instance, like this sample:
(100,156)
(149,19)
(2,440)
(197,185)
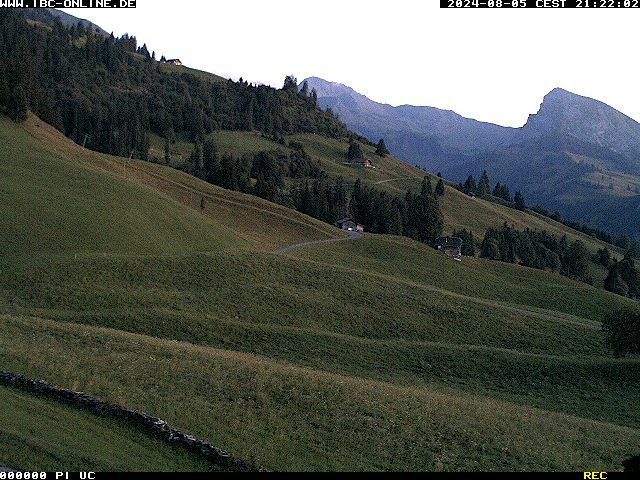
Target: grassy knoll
(286,417)
(39,434)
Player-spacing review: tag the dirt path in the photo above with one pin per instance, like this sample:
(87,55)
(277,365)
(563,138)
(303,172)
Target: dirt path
(288,248)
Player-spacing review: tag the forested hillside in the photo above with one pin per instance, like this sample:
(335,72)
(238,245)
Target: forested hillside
(111,94)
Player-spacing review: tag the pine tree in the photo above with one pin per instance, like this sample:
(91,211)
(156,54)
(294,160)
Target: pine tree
(468,242)
(381,149)
(621,328)
(604,257)
(167,152)
(427,187)
(290,83)
(519,202)
(490,245)
(196,161)
(17,108)
(210,160)
(4,89)
(354,152)
(304,90)
(577,259)
(483,185)
(615,284)
(469,186)
(440,189)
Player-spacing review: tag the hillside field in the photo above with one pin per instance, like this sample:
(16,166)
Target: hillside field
(391,175)
(149,288)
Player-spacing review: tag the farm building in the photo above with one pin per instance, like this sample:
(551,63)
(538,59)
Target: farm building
(451,246)
(349,225)
(175,61)
(363,162)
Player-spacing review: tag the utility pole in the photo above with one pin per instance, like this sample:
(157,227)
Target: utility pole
(84,143)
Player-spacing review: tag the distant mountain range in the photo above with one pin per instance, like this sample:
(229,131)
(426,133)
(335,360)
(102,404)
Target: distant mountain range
(576,155)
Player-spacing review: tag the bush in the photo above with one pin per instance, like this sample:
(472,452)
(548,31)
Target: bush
(622,332)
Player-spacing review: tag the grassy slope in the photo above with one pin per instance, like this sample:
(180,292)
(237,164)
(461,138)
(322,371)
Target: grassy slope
(51,205)
(474,277)
(182,70)
(260,224)
(256,406)
(394,176)
(391,335)
(44,435)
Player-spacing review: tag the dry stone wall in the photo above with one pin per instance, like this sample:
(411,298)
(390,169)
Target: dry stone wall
(153,425)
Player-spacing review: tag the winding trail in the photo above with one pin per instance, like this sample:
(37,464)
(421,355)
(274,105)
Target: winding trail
(288,248)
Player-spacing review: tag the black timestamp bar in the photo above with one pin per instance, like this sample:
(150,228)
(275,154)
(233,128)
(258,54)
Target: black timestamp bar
(68,3)
(539,3)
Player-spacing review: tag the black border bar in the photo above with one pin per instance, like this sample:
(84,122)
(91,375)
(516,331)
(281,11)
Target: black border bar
(516,4)
(69,4)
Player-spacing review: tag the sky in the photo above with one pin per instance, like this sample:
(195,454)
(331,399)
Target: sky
(491,65)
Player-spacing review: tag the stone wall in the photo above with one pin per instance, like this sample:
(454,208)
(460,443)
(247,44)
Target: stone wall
(153,425)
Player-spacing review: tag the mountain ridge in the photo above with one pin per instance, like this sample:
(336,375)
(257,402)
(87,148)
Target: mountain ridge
(575,154)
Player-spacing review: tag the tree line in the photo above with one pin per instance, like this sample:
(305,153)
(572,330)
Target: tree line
(502,193)
(632,247)
(482,189)
(532,248)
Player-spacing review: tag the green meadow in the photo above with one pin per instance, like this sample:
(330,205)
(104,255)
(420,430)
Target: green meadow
(148,288)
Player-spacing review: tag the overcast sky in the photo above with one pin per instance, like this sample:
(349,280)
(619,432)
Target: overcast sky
(492,65)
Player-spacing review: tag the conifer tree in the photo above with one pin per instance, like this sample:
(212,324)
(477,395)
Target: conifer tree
(4,88)
(427,187)
(304,90)
(210,160)
(290,83)
(440,189)
(17,108)
(470,187)
(483,185)
(167,152)
(196,161)
(355,151)
(519,202)
(381,149)
(615,284)
(621,328)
